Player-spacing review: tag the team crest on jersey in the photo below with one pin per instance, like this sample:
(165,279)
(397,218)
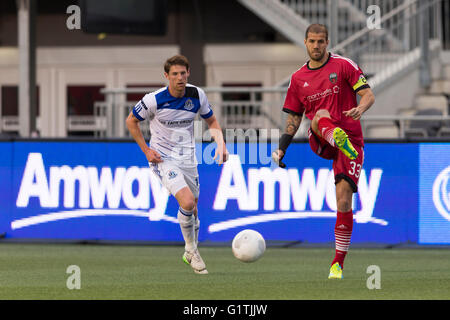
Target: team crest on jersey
(333,77)
(188,105)
(172,174)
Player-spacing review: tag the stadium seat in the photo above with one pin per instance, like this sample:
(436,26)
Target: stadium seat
(437,102)
(382,131)
(430,128)
(416,133)
(444,132)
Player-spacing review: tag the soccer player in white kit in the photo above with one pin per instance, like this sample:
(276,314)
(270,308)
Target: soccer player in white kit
(171,152)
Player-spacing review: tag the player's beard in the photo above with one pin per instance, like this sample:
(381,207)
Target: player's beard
(319,57)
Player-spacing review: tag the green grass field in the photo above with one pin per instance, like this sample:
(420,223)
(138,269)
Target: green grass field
(38,271)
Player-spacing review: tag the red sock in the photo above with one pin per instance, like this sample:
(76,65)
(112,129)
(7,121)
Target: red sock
(326,128)
(343,233)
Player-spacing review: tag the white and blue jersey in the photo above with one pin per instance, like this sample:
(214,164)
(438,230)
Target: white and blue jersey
(172,121)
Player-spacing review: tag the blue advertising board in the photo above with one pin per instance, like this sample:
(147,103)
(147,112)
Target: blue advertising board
(434,201)
(106,191)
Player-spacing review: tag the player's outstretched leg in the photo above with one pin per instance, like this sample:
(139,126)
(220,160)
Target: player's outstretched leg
(342,141)
(335,136)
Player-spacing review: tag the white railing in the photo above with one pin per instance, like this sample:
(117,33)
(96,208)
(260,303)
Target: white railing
(350,21)
(9,124)
(262,110)
(403,25)
(343,17)
(254,108)
(420,126)
(400,25)
(280,17)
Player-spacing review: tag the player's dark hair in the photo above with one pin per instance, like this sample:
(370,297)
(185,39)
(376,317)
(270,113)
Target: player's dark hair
(177,60)
(317,28)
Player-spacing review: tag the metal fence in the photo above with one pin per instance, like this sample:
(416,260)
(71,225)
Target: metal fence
(247,109)
(235,107)
(262,110)
(374,33)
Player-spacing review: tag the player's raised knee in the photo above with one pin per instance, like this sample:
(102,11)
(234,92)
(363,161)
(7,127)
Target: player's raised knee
(322,113)
(319,114)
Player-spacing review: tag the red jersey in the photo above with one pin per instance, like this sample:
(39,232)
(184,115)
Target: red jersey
(333,87)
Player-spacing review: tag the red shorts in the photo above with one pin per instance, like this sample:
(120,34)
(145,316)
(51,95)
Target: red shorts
(343,167)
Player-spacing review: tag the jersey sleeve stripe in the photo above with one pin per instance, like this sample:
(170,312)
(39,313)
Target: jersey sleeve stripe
(291,111)
(137,115)
(143,104)
(208,115)
(353,64)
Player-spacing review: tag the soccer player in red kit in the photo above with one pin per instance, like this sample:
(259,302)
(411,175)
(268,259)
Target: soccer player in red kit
(325,89)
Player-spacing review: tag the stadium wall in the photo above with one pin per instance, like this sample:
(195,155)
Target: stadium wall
(60,67)
(80,190)
(266,64)
(118,67)
(399,94)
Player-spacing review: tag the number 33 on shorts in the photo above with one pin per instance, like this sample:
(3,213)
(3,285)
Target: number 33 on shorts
(355,169)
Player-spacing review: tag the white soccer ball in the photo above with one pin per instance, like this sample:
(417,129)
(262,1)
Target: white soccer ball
(248,245)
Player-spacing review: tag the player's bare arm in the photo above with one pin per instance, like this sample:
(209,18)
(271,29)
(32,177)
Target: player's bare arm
(292,124)
(133,126)
(366,101)
(216,132)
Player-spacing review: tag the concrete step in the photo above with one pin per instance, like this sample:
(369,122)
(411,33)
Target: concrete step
(382,131)
(438,102)
(440,86)
(371,63)
(407,112)
(446,72)
(445,56)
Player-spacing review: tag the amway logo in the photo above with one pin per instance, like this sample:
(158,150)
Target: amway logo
(93,188)
(101,193)
(293,190)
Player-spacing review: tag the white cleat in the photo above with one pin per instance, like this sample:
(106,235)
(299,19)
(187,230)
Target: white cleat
(195,261)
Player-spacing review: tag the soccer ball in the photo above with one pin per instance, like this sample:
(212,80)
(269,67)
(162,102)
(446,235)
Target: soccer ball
(248,245)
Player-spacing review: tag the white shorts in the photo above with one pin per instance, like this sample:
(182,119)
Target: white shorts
(175,177)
